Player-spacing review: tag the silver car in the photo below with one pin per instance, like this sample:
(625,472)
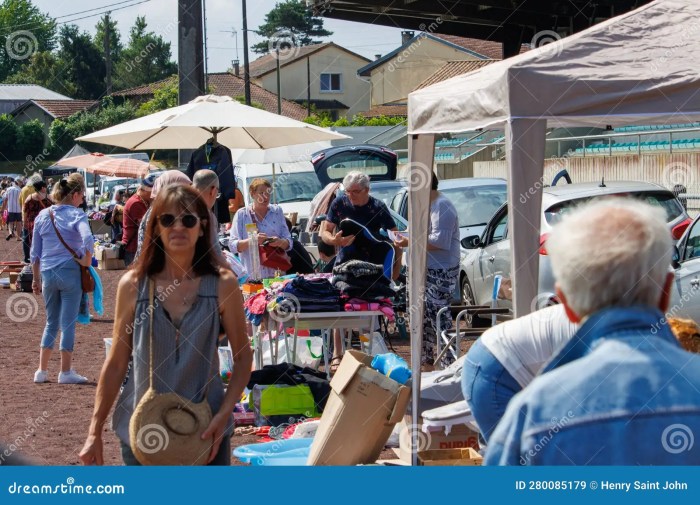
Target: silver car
(685,293)
(488,255)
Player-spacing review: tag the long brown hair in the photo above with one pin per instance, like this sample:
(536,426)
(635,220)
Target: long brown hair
(152,258)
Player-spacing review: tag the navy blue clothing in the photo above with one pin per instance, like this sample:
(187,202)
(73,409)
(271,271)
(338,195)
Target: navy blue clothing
(218,159)
(374,215)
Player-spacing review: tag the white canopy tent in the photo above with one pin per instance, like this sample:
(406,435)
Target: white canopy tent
(638,68)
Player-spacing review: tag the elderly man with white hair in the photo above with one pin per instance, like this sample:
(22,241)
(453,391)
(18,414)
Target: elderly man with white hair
(622,391)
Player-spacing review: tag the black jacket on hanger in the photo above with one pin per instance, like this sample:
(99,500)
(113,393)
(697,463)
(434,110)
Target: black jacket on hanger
(215,157)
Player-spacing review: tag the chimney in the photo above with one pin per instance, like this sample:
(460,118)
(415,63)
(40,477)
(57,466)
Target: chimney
(236,68)
(406,35)
(377,57)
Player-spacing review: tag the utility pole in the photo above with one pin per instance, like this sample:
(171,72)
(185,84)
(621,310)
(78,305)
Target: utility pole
(308,86)
(246,63)
(190,57)
(108,54)
(279,82)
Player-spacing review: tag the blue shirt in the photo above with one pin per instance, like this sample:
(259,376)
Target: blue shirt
(273,225)
(443,232)
(73,224)
(621,392)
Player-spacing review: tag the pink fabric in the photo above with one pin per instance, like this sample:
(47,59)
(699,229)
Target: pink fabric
(358,305)
(257,304)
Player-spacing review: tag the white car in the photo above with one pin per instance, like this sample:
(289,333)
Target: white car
(488,255)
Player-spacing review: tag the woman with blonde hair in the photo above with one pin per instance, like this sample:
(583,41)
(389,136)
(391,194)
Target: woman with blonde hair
(61,242)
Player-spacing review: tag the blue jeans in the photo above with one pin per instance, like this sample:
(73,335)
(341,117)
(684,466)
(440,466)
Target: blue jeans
(487,387)
(62,292)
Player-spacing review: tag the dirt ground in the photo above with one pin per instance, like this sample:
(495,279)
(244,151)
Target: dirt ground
(47,423)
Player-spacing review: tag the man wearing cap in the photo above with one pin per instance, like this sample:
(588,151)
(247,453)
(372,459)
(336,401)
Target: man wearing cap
(134,210)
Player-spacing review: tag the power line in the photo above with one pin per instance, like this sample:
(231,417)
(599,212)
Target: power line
(93,9)
(103,12)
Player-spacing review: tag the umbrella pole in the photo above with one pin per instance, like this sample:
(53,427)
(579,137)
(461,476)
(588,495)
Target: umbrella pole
(274,191)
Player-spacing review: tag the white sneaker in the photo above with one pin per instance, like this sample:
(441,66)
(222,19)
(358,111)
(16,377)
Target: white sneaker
(41,376)
(71,377)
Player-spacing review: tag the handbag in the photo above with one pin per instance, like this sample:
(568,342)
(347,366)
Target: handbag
(165,428)
(275,257)
(86,280)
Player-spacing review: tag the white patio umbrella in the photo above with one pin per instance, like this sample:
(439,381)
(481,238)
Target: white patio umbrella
(188,126)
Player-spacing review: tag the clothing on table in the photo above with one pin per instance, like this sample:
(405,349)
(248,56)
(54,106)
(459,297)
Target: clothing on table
(310,295)
(184,362)
(74,228)
(134,211)
(621,380)
(273,225)
(357,305)
(217,158)
(440,285)
(443,233)
(360,279)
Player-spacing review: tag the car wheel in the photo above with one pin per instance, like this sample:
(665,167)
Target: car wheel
(466,292)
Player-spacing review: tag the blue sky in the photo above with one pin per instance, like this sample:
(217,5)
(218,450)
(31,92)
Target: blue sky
(222,16)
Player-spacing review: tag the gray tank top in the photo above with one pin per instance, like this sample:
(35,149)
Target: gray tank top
(187,367)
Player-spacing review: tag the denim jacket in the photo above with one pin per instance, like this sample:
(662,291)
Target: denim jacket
(621,392)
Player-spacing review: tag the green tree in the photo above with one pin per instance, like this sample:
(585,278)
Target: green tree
(30,138)
(44,69)
(163,98)
(146,59)
(288,24)
(82,63)
(8,136)
(25,30)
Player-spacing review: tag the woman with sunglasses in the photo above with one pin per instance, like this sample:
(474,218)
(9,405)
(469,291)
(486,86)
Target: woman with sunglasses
(57,273)
(193,295)
(270,221)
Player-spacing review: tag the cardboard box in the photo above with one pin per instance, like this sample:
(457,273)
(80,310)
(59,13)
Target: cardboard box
(450,457)
(104,253)
(460,437)
(361,412)
(111,264)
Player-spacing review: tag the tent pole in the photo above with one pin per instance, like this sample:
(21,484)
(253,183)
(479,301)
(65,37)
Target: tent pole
(525,146)
(421,150)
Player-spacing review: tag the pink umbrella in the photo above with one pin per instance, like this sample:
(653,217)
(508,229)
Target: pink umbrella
(101,164)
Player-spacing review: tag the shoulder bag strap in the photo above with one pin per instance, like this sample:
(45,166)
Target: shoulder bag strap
(58,233)
(151,309)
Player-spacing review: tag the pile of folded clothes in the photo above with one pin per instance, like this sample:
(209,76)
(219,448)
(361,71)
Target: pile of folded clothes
(310,295)
(383,305)
(360,279)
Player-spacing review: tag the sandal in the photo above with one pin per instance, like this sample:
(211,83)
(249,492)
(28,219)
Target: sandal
(334,364)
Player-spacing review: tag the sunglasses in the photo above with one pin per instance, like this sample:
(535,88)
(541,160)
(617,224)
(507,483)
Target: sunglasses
(187,220)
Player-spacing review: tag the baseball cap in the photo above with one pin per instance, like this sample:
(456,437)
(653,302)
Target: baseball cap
(149,181)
